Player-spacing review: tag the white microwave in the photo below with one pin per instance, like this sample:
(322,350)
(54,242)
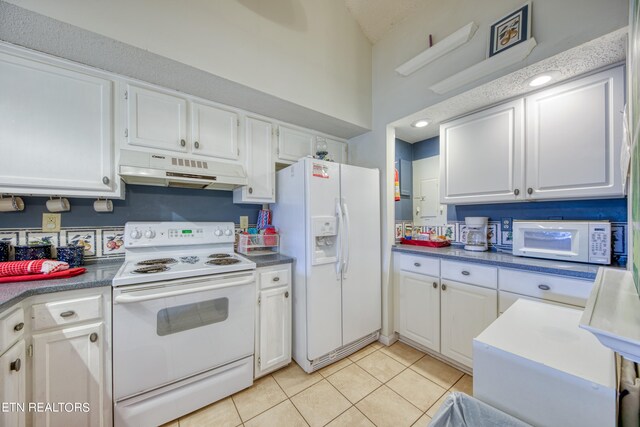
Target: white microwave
(580,241)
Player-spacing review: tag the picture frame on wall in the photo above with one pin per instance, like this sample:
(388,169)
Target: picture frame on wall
(399,230)
(510,30)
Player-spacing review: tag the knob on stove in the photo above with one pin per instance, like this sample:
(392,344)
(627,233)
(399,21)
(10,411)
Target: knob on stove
(149,234)
(228,233)
(218,232)
(135,234)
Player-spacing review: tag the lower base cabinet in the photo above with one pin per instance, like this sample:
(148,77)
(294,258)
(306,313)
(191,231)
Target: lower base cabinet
(13,386)
(419,302)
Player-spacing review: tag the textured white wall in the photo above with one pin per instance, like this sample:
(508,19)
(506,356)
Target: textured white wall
(308,52)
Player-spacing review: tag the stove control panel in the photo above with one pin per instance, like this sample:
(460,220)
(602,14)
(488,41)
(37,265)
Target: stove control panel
(147,234)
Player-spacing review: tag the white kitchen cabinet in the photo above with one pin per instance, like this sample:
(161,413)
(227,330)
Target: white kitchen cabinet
(481,156)
(260,164)
(574,137)
(419,308)
(466,311)
(273,319)
(13,386)
(56,124)
(294,144)
(156,119)
(214,131)
(337,150)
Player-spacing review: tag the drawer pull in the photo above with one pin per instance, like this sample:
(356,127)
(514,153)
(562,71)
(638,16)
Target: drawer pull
(465,273)
(416,264)
(544,287)
(286,294)
(93,337)
(276,279)
(435,285)
(15,366)
(18,327)
(444,287)
(66,314)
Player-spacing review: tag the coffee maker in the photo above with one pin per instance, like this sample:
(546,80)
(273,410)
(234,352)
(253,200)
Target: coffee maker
(477,228)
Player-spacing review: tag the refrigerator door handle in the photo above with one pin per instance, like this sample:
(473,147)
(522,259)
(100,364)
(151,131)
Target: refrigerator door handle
(339,239)
(347,238)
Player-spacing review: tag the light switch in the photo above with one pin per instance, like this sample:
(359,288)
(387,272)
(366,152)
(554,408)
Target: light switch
(51,221)
(244,222)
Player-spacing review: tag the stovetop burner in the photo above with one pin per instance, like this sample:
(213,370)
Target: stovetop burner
(160,261)
(218,256)
(156,268)
(223,261)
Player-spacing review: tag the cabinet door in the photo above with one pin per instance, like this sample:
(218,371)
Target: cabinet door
(275,328)
(13,385)
(466,311)
(337,150)
(294,144)
(68,366)
(574,136)
(261,169)
(55,129)
(214,132)
(156,120)
(481,156)
(419,309)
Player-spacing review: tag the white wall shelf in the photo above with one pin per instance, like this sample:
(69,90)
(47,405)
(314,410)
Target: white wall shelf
(476,72)
(445,46)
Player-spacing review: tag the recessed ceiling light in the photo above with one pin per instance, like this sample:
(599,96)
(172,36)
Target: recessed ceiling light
(543,78)
(420,123)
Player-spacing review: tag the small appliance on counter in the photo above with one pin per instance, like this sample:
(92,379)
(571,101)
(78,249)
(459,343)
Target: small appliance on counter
(477,228)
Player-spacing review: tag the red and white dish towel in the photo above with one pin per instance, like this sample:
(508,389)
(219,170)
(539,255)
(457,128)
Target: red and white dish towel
(39,266)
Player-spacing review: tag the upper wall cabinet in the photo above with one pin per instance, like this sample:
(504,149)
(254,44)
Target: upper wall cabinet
(261,170)
(294,144)
(574,132)
(481,156)
(571,149)
(55,128)
(159,120)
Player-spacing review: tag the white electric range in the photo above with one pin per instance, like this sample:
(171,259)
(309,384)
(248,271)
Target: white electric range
(183,320)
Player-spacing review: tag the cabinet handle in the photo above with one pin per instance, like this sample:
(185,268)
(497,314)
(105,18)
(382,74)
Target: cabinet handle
(18,327)
(105,180)
(183,142)
(250,190)
(286,294)
(544,287)
(435,285)
(276,279)
(465,273)
(15,366)
(93,337)
(66,314)
(516,191)
(444,287)
(529,190)
(417,264)
(196,144)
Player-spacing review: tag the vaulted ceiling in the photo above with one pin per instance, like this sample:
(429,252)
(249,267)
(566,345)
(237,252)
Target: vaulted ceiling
(377,17)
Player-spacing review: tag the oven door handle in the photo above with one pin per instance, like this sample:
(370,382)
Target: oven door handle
(128,298)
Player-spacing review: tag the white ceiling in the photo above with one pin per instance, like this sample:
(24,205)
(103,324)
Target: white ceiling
(376,17)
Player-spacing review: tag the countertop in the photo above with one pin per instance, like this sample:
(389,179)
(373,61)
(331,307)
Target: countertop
(269,260)
(503,259)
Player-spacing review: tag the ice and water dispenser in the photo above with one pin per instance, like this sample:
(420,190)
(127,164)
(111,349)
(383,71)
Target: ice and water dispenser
(325,239)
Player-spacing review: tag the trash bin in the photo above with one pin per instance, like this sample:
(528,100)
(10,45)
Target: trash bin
(461,410)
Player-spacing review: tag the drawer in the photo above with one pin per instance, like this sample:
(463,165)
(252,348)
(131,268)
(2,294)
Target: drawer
(271,279)
(11,328)
(506,300)
(62,313)
(544,286)
(417,264)
(473,274)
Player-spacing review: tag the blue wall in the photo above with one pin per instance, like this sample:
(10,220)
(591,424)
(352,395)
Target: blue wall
(404,207)
(426,148)
(142,203)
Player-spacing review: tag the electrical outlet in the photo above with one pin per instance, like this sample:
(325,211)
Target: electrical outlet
(51,221)
(244,222)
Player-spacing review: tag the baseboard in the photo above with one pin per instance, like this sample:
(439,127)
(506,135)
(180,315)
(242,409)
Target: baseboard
(388,339)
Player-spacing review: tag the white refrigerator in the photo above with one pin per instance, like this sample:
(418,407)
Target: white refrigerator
(328,217)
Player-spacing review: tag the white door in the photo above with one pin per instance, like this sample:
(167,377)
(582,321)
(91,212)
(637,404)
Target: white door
(156,120)
(214,132)
(466,311)
(261,167)
(481,156)
(68,366)
(574,136)
(275,327)
(361,276)
(13,385)
(294,144)
(337,150)
(55,129)
(419,309)
(324,290)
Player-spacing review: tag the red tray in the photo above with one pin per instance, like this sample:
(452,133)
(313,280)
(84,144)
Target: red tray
(428,243)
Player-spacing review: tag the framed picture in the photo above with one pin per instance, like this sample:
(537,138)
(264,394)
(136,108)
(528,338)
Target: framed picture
(510,30)
(399,231)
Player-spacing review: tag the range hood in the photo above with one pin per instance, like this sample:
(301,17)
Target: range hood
(141,168)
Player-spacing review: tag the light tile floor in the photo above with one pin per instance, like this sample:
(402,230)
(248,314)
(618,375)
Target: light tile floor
(377,386)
